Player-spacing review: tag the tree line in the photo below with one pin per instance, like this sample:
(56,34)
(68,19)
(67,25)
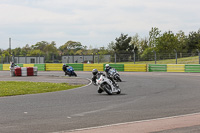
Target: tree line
(157,41)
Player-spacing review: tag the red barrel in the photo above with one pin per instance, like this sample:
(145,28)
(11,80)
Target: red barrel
(29,71)
(18,71)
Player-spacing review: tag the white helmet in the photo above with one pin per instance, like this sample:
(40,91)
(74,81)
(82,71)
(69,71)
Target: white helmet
(107,65)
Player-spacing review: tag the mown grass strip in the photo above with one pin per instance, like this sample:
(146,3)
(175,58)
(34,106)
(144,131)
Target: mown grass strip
(12,88)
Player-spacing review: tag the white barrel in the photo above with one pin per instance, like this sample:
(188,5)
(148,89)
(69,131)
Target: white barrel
(35,70)
(12,71)
(24,71)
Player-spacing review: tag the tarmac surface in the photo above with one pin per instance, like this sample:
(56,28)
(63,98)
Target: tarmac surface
(56,78)
(177,124)
(150,102)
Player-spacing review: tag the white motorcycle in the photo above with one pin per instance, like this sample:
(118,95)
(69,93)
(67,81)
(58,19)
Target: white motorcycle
(105,84)
(114,74)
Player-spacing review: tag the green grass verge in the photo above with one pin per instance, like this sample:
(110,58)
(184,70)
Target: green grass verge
(12,88)
(185,60)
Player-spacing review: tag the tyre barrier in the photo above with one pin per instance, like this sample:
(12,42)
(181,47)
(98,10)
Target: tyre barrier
(23,71)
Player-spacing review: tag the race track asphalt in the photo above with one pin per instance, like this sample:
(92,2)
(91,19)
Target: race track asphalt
(144,96)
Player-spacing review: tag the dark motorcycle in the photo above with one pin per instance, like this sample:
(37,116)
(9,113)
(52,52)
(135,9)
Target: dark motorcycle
(114,74)
(70,72)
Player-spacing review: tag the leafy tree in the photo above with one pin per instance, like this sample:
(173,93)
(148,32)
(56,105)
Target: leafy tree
(193,41)
(1,51)
(110,47)
(70,47)
(135,40)
(143,45)
(79,52)
(166,43)
(123,48)
(122,44)
(181,45)
(136,44)
(40,45)
(147,54)
(6,53)
(25,50)
(17,51)
(103,51)
(51,48)
(153,35)
(36,52)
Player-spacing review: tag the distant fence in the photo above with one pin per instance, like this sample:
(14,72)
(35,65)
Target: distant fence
(172,58)
(119,67)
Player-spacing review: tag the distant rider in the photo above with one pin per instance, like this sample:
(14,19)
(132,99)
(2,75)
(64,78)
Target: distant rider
(12,65)
(65,69)
(107,69)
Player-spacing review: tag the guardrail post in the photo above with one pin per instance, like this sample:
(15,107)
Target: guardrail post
(154,55)
(39,58)
(82,57)
(53,58)
(98,57)
(1,59)
(176,55)
(199,57)
(93,57)
(25,59)
(115,58)
(13,58)
(134,56)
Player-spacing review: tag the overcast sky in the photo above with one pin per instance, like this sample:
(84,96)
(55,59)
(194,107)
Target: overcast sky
(92,22)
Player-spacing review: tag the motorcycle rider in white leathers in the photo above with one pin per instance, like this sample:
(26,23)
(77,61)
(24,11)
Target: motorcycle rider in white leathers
(97,74)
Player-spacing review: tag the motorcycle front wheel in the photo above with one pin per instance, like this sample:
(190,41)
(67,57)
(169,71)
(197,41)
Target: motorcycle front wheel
(75,74)
(118,79)
(108,89)
(119,91)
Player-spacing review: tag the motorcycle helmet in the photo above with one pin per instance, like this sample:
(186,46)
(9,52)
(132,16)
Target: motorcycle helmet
(107,65)
(94,71)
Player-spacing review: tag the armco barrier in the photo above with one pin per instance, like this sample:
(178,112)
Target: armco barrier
(41,67)
(58,67)
(20,65)
(90,67)
(54,67)
(175,68)
(28,65)
(192,68)
(118,67)
(1,67)
(135,67)
(6,67)
(77,67)
(157,68)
